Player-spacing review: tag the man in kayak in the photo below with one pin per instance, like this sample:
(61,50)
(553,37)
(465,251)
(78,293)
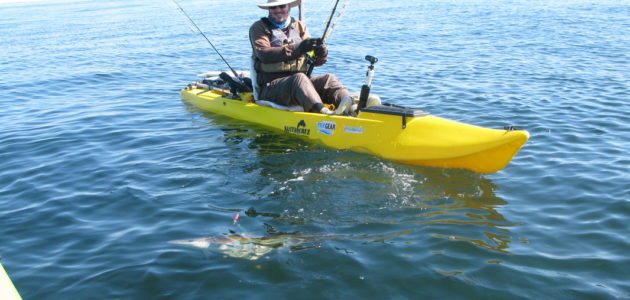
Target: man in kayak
(280,44)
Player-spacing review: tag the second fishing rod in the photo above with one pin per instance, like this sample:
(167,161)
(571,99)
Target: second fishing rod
(237,81)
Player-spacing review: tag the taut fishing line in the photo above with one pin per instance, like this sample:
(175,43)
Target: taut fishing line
(204,35)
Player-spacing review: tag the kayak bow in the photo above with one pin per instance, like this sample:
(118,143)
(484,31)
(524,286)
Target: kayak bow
(7,289)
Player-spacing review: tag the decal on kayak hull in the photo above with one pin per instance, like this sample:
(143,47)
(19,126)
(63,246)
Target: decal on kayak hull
(327,127)
(353,129)
(299,129)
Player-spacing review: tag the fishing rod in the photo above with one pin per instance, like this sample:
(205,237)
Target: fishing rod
(201,32)
(326,34)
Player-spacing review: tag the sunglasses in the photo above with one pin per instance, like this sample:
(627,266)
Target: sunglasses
(278,6)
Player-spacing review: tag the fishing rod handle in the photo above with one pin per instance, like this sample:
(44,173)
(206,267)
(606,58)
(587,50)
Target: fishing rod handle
(311,65)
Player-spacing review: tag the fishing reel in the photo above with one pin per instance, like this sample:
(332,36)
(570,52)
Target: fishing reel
(237,85)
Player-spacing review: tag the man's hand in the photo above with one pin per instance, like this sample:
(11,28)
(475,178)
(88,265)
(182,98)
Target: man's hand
(309,44)
(321,51)
(321,55)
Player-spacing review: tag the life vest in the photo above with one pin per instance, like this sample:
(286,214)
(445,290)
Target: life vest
(278,39)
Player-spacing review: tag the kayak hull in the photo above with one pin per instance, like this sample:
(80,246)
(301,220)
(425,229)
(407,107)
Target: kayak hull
(417,140)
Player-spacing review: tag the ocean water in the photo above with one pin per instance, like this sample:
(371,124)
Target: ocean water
(103,164)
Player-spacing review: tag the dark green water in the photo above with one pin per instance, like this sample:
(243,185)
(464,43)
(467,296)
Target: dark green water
(103,164)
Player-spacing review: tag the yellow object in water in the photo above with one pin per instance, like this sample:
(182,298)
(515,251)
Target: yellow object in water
(400,134)
(7,290)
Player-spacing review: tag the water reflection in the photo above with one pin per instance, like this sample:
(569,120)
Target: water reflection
(467,205)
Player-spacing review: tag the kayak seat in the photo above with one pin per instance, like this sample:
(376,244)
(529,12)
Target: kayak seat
(254,77)
(256,90)
(296,108)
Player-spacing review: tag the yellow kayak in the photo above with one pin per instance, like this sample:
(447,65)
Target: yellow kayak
(7,290)
(395,133)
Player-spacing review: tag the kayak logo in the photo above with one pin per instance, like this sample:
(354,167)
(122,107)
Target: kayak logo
(300,129)
(352,129)
(327,127)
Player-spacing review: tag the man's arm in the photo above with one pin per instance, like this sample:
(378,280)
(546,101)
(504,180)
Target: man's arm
(261,45)
(266,53)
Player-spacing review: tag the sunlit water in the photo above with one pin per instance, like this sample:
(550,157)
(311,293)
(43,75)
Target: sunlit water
(103,164)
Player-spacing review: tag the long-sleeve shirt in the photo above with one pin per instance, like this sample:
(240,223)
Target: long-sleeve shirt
(263,52)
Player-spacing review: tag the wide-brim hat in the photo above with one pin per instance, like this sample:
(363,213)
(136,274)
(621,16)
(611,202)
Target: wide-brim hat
(270,3)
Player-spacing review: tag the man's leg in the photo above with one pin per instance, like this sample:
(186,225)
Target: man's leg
(296,89)
(329,88)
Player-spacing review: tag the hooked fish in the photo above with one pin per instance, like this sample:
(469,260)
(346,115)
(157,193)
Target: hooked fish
(252,248)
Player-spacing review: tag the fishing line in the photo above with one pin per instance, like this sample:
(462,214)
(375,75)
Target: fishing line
(319,12)
(209,42)
(335,20)
(336,15)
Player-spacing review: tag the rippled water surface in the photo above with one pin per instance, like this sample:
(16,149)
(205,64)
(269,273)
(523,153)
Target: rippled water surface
(103,164)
